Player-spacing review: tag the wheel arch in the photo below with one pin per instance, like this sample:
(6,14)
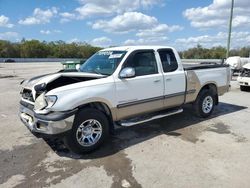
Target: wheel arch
(103,107)
(213,87)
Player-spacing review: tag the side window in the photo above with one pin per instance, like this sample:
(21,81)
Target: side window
(144,63)
(168,60)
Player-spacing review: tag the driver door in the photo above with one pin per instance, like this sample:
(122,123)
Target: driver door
(144,92)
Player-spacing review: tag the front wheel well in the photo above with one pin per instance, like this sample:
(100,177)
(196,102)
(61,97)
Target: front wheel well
(211,87)
(103,108)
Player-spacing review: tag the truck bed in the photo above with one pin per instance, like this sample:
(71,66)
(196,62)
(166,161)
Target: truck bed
(195,66)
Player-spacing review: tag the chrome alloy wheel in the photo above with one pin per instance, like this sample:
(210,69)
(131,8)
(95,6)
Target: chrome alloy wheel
(89,132)
(207,104)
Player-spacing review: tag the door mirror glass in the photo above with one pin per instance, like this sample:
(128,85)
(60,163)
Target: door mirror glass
(127,72)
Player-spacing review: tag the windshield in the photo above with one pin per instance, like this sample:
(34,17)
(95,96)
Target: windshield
(103,62)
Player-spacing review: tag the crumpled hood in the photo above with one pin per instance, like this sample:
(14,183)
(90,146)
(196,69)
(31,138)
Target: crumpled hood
(247,66)
(30,83)
(48,78)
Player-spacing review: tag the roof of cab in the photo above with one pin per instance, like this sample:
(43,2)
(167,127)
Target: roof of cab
(131,48)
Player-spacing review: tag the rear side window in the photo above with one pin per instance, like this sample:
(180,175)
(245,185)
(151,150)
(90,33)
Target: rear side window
(168,60)
(143,62)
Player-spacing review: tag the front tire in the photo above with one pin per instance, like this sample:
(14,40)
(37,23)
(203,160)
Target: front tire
(89,131)
(204,103)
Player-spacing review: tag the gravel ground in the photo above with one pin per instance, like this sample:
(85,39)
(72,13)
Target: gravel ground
(177,151)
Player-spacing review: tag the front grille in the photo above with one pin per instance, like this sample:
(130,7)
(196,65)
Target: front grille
(245,73)
(27,94)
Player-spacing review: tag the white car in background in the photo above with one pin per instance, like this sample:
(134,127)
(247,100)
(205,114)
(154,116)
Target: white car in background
(236,63)
(244,78)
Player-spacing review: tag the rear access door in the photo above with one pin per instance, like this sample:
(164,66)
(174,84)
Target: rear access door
(174,79)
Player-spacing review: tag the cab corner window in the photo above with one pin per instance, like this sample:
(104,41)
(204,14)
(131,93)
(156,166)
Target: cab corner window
(168,60)
(143,62)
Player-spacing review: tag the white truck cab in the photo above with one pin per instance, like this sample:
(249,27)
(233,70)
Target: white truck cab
(121,86)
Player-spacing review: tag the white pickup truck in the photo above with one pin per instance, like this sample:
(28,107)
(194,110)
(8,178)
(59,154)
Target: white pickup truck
(118,86)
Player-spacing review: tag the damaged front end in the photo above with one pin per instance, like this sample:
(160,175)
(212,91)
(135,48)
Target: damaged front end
(244,77)
(34,90)
(35,105)
(245,72)
(37,98)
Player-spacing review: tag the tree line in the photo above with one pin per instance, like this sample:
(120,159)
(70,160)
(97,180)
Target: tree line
(61,49)
(219,52)
(38,49)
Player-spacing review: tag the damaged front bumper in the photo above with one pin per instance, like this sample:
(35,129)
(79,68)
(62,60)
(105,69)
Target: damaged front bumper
(244,81)
(51,124)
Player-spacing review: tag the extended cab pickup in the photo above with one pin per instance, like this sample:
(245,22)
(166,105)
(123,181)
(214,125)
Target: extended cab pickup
(118,86)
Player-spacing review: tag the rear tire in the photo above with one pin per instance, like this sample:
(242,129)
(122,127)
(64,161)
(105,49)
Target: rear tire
(204,103)
(90,129)
(243,88)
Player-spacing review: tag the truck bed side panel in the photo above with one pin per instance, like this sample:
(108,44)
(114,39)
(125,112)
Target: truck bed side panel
(196,79)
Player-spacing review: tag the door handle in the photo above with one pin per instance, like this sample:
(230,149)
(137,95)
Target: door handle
(168,79)
(157,81)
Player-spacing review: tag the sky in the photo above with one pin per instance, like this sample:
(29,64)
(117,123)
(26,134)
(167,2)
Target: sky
(179,23)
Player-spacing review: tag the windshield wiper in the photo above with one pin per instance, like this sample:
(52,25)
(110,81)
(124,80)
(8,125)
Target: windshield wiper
(96,71)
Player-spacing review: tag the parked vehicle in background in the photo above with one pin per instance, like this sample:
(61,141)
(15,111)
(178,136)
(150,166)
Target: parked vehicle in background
(236,62)
(121,86)
(9,61)
(244,78)
(73,64)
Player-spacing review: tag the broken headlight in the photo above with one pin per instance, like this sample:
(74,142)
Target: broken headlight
(51,100)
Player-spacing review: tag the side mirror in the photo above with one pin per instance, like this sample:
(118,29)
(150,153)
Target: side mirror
(127,72)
